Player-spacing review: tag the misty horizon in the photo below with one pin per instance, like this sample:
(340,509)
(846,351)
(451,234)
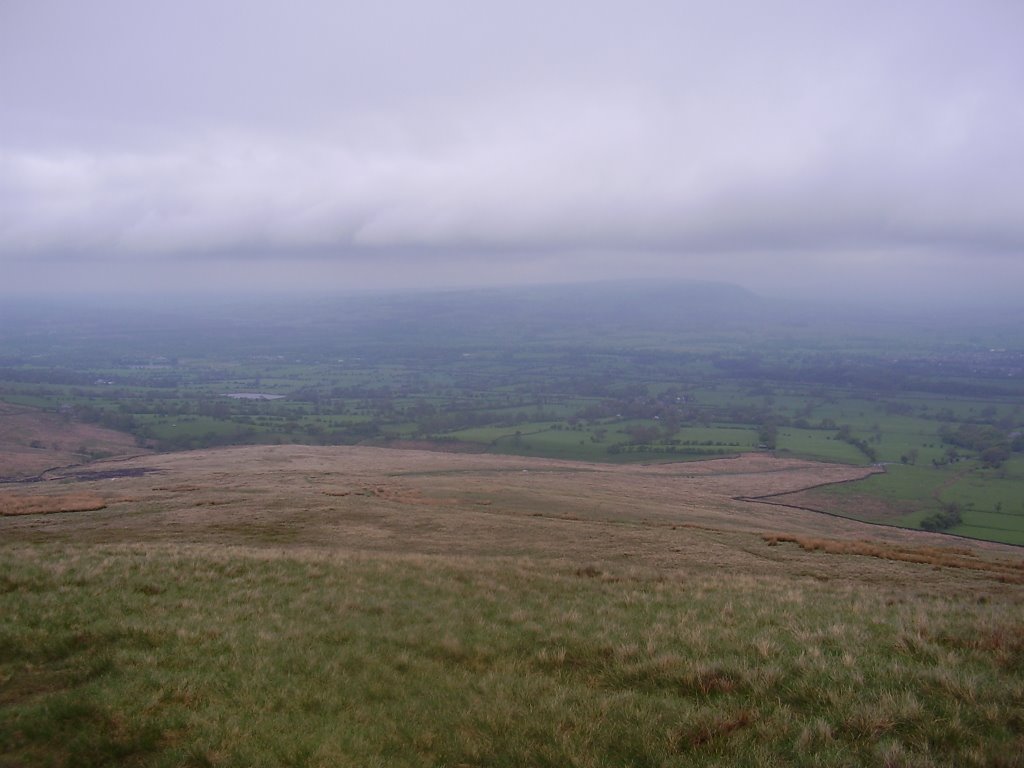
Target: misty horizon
(845,152)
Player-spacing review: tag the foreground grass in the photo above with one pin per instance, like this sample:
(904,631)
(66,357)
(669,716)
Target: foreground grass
(189,655)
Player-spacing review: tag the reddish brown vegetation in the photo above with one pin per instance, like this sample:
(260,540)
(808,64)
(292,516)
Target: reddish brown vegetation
(714,727)
(42,505)
(947,557)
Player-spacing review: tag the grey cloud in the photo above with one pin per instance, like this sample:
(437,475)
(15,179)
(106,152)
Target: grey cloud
(626,183)
(483,135)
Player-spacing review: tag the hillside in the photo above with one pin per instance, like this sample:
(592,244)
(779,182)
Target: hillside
(32,441)
(354,606)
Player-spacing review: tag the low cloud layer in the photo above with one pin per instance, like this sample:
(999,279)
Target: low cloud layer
(696,138)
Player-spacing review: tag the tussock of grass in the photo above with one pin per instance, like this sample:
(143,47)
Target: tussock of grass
(1011,572)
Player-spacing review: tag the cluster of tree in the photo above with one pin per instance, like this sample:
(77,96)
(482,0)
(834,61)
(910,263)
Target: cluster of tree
(949,517)
(112,419)
(974,437)
(846,435)
(910,457)
(992,444)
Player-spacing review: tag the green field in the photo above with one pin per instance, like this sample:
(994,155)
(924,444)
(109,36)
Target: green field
(990,502)
(817,444)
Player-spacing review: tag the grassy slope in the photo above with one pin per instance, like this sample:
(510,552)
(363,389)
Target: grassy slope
(296,606)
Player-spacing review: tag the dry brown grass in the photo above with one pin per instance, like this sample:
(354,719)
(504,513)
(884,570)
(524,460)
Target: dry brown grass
(942,557)
(598,520)
(396,494)
(860,506)
(11,505)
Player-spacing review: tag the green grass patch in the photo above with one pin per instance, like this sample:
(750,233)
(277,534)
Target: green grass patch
(988,501)
(817,444)
(173,657)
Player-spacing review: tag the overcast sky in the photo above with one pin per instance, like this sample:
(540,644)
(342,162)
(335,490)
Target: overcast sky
(812,147)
